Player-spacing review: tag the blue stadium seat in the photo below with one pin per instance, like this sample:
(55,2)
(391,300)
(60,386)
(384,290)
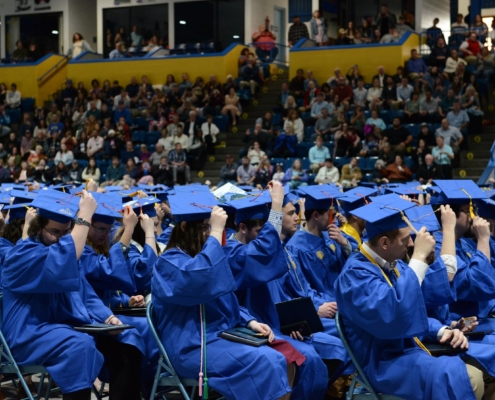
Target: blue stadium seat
(311,179)
(138,136)
(222,121)
(308,132)
(305,115)
(277,119)
(414,129)
(371,163)
(207,47)
(341,161)
(362,162)
(331,146)
(27,104)
(409,162)
(386,116)
(140,122)
(300,102)
(302,149)
(288,163)
(82,163)
(275,161)
(14,114)
(305,163)
(150,138)
(397,114)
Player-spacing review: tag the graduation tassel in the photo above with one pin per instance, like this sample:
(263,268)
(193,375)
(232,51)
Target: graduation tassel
(330,214)
(471,208)
(224,237)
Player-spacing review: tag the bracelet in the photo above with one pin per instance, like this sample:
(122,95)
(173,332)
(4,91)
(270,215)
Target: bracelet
(150,237)
(214,230)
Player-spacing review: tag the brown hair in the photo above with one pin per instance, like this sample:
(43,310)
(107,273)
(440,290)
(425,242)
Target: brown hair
(13,230)
(390,235)
(191,240)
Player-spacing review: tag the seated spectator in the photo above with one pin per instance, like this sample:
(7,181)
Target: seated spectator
(228,172)
(91,171)
(53,143)
(115,173)
(229,83)
(447,103)
(351,174)
(42,173)
(296,85)
(327,92)
(386,154)
(485,62)
(232,106)
(213,102)
(197,150)
(255,154)
(264,41)
(402,26)
(389,95)
(360,94)
(309,78)
(311,95)
(433,33)
(266,122)
(55,126)
(382,76)
(347,142)
(358,120)
(328,173)
(166,141)
(257,135)
(459,27)
(411,109)
(480,28)
(163,173)
(75,173)
(178,162)
(443,156)
(377,122)
(451,135)
(27,144)
(182,139)
(295,176)
(392,37)
(342,39)
(279,173)
(94,146)
(24,173)
(400,74)
(4,122)
(13,98)
(69,94)
(459,118)
(353,75)
(375,94)
(335,78)
(144,154)
(3,152)
(415,66)
(398,137)
(369,146)
(419,154)
(159,152)
(122,96)
(430,76)
(427,135)
(470,48)
(122,112)
(118,52)
(439,53)
(284,95)
(428,171)
(297,31)
(344,92)
(297,124)
(285,143)
(209,133)
(60,174)
(168,85)
(93,109)
(136,39)
(20,53)
(318,154)
(404,92)
(323,126)
(316,108)
(251,76)
(428,108)
(396,171)
(264,173)
(246,173)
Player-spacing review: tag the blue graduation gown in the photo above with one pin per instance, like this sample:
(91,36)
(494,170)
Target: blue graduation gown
(474,280)
(181,283)
(321,260)
(311,377)
(165,235)
(5,246)
(380,323)
(46,294)
(141,261)
(437,289)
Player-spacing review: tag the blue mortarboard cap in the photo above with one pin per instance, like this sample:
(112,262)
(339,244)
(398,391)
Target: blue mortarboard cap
(146,204)
(109,205)
(251,207)
(57,206)
(320,197)
(405,190)
(192,189)
(457,192)
(356,198)
(191,206)
(486,208)
(113,188)
(151,188)
(22,196)
(381,218)
(161,195)
(63,187)
(5,198)
(17,211)
(423,216)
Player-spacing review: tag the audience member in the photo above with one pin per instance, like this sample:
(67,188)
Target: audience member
(13,99)
(470,48)
(433,33)
(246,173)
(351,174)
(415,66)
(178,162)
(264,41)
(228,172)
(443,156)
(115,172)
(428,171)
(297,31)
(428,108)
(318,29)
(318,154)
(328,173)
(451,135)
(295,176)
(398,137)
(385,20)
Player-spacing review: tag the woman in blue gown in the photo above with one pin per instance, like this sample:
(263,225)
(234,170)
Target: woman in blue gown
(193,296)
(46,294)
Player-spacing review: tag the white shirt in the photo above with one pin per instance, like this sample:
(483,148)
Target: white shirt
(212,130)
(13,98)
(183,140)
(298,127)
(327,175)
(94,144)
(167,143)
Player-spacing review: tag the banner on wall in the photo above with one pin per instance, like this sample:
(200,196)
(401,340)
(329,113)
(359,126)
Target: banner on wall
(35,5)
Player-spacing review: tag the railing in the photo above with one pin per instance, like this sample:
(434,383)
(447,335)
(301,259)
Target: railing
(52,69)
(269,52)
(453,39)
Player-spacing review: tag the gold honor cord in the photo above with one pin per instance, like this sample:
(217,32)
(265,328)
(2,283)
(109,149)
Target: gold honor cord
(397,274)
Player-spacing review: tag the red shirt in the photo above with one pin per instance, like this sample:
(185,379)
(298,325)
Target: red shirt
(343,92)
(474,47)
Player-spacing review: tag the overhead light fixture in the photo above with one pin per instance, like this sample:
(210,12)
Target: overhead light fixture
(55,32)
(182,22)
(236,36)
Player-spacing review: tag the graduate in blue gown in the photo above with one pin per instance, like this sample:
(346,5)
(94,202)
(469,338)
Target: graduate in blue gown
(193,292)
(320,260)
(46,293)
(257,246)
(475,277)
(381,303)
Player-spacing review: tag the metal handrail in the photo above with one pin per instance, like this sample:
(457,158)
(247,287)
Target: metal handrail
(40,79)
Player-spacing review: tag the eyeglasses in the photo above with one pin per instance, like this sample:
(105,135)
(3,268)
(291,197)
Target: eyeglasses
(57,233)
(101,230)
(205,228)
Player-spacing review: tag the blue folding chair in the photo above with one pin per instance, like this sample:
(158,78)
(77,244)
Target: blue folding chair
(166,376)
(358,377)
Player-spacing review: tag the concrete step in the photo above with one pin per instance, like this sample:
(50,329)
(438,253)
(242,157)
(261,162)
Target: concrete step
(469,171)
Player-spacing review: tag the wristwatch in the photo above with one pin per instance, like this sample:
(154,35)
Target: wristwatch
(80,221)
